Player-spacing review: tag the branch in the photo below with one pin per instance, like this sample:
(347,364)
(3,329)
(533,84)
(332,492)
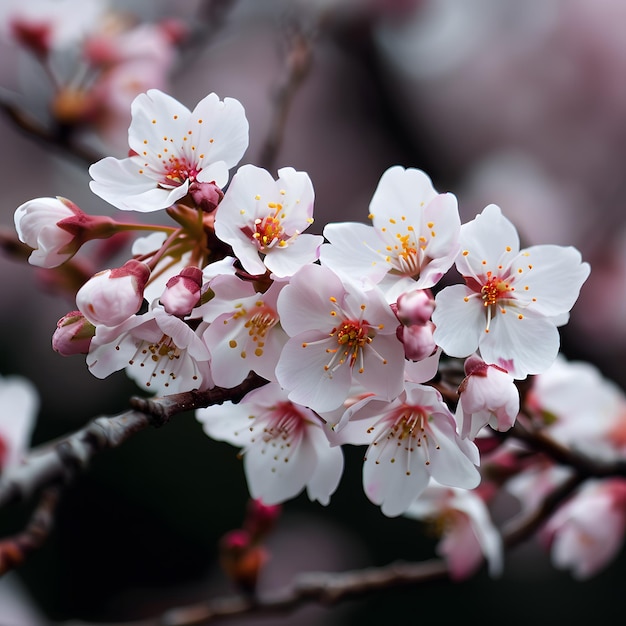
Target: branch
(58,137)
(298,64)
(325,588)
(57,463)
(13,550)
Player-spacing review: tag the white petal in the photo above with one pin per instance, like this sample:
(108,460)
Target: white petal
(301,371)
(555,279)
(522,346)
(328,469)
(459,317)
(286,261)
(489,237)
(120,183)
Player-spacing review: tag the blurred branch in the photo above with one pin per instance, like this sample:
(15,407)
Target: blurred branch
(13,550)
(298,61)
(58,137)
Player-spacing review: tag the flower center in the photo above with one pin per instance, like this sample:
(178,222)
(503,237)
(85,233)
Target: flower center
(177,171)
(161,358)
(406,429)
(351,338)
(493,290)
(258,322)
(269,230)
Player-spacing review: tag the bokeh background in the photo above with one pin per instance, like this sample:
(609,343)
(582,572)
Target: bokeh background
(518,103)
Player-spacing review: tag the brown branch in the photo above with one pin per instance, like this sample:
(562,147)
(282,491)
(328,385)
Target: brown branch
(327,588)
(298,64)
(13,550)
(56,463)
(58,137)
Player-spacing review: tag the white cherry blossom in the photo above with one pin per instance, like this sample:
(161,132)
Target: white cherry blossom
(284,445)
(469,536)
(244,333)
(262,219)
(409,441)
(340,335)
(412,242)
(173,148)
(160,352)
(512,300)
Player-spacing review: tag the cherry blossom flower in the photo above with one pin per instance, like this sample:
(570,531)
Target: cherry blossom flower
(56,228)
(581,409)
(339,335)
(112,296)
(19,403)
(262,219)
(284,446)
(412,242)
(512,301)
(244,333)
(160,352)
(487,395)
(172,149)
(587,532)
(469,536)
(410,440)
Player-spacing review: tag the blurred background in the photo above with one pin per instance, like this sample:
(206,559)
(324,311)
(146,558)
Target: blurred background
(522,104)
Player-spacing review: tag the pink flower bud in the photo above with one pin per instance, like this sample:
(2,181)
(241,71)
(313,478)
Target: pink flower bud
(182,292)
(261,518)
(37,225)
(34,35)
(112,296)
(418,340)
(73,334)
(56,228)
(241,559)
(414,307)
(488,395)
(206,195)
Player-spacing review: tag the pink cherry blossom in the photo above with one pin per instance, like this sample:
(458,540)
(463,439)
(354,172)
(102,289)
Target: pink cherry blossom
(262,219)
(340,336)
(512,301)
(587,532)
(160,352)
(410,440)
(469,536)
(284,445)
(488,395)
(173,147)
(581,408)
(244,333)
(112,296)
(412,242)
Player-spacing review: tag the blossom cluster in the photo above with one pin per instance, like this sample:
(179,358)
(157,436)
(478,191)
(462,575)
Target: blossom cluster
(349,331)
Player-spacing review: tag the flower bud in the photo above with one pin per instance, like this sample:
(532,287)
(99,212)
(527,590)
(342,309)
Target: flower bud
(112,296)
(206,195)
(418,340)
(241,559)
(261,518)
(56,228)
(414,307)
(488,395)
(182,292)
(37,225)
(73,334)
